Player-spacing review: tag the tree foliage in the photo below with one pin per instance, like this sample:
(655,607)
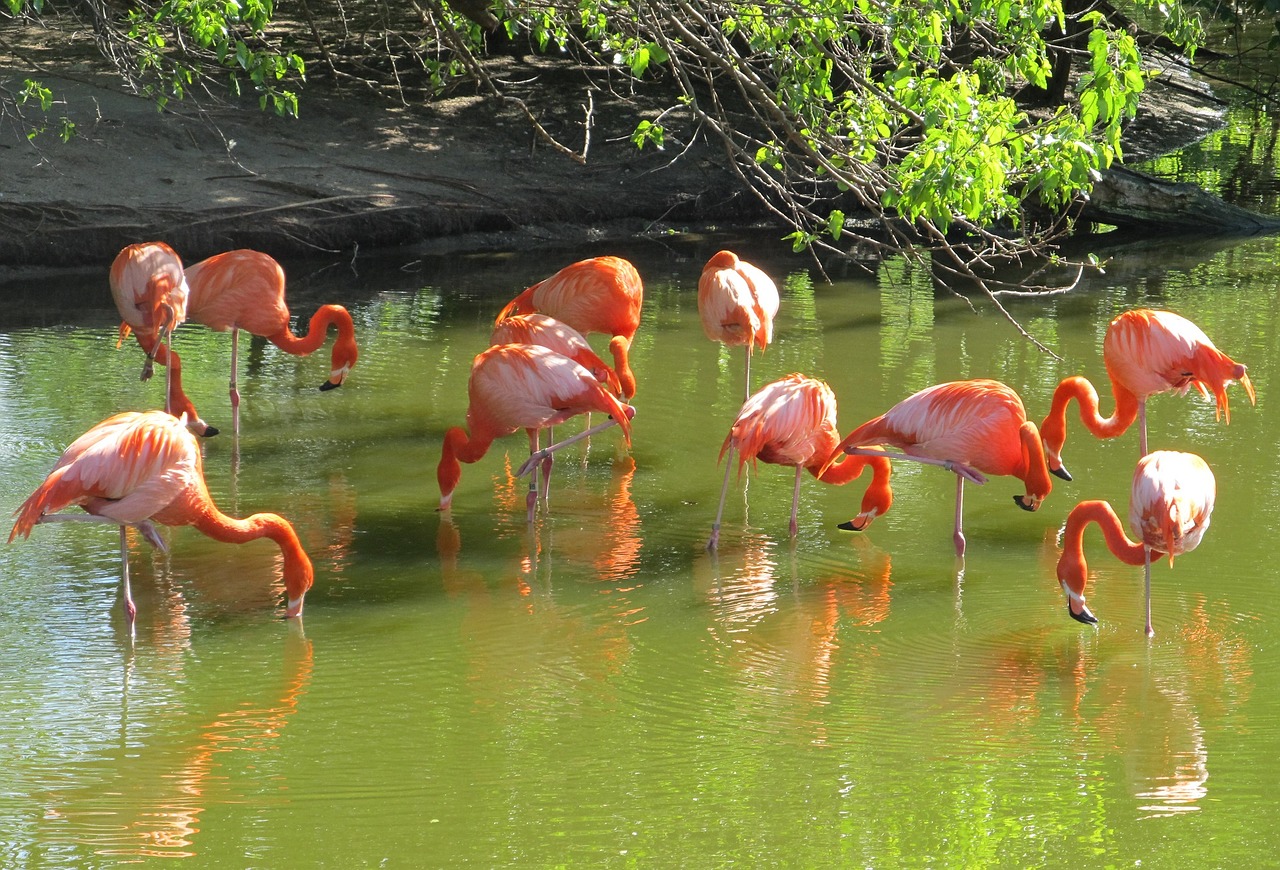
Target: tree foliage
(956,130)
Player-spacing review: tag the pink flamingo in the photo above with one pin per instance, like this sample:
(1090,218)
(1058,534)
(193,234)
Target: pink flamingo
(1146,352)
(244,289)
(545,331)
(522,386)
(603,294)
(1169,510)
(140,468)
(967,427)
(737,303)
(150,291)
(792,421)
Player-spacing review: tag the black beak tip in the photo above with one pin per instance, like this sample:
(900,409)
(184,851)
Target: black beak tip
(1060,473)
(1083,616)
(848,526)
(328,385)
(1017,499)
(210,431)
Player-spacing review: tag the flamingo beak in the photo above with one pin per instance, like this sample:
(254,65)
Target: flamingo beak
(1060,472)
(294,608)
(1020,501)
(1083,616)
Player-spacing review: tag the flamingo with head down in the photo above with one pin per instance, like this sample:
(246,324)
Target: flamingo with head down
(1146,353)
(971,428)
(792,421)
(140,468)
(1170,505)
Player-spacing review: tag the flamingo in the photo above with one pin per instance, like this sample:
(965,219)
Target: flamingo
(150,291)
(967,427)
(522,386)
(737,303)
(140,468)
(603,294)
(792,421)
(1146,352)
(244,289)
(1169,510)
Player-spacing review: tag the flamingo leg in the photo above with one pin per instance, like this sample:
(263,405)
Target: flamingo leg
(1142,429)
(795,502)
(232,385)
(546,468)
(967,472)
(130,609)
(959,533)
(168,376)
(724,491)
(531,500)
(534,460)
(1146,554)
(746,393)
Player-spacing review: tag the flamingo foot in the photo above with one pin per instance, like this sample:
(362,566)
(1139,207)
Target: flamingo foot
(958,537)
(147,370)
(130,612)
(148,531)
(969,473)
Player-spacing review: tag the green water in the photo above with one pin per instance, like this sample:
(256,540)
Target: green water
(597,688)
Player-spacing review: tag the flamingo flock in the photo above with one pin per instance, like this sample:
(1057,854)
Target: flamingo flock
(139,469)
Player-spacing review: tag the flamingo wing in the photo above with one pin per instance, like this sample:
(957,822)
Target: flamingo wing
(241,289)
(146,278)
(791,421)
(1172,501)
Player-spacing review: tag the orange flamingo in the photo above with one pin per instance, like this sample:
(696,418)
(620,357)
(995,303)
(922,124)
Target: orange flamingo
(522,386)
(244,289)
(550,333)
(1146,352)
(150,291)
(1169,510)
(792,421)
(603,294)
(140,468)
(737,303)
(966,427)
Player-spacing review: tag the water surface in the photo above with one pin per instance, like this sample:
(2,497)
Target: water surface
(597,688)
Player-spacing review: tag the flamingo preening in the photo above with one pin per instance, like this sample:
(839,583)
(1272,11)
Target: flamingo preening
(1146,352)
(792,421)
(971,428)
(603,294)
(737,303)
(140,468)
(1169,509)
(522,386)
(540,329)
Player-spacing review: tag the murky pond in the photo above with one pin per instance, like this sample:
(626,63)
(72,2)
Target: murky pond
(597,688)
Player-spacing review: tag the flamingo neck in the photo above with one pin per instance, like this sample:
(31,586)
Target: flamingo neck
(1073,569)
(458,448)
(298,572)
(1054,428)
(1035,472)
(522,304)
(620,347)
(317,332)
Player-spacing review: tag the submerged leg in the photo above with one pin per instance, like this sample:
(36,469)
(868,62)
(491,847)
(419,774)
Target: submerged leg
(130,609)
(531,500)
(1146,559)
(958,537)
(795,502)
(232,385)
(724,490)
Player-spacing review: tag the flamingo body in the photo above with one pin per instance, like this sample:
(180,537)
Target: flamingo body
(1146,353)
(737,303)
(602,294)
(963,426)
(1171,503)
(139,467)
(546,331)
(150,289)
(792,421)
(520,386)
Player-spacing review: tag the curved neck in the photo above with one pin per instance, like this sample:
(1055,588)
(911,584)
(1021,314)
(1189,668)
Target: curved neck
(1036,470)
(1073,570)
(620,347)
(458,448)
(1054,427)
(878,497)
(522,304)
(317,332)
(298,572)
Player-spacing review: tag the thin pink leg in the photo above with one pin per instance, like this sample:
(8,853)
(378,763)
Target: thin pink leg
(235,393)
(130,609)
(724,489)
(1142,426)
(1146,552)
(795,502)
(959,535)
